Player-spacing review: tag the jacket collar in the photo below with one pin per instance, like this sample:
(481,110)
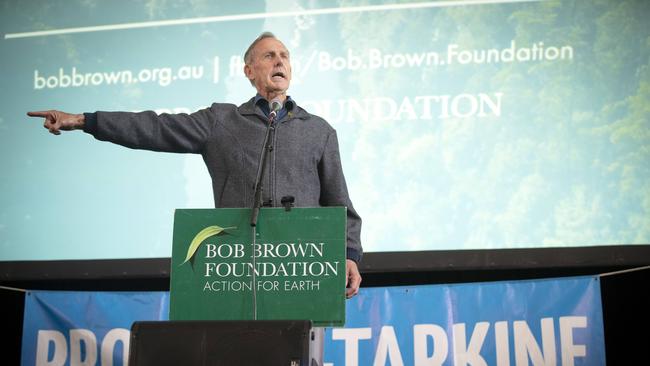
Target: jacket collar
(294,111)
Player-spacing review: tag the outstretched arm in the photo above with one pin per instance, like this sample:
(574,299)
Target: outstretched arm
(57,121)
(147,130)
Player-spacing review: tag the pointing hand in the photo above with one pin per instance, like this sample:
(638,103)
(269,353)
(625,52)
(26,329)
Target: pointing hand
(57,121)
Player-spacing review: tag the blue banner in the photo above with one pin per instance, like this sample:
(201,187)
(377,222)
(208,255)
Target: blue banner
(532,322)
(85,328)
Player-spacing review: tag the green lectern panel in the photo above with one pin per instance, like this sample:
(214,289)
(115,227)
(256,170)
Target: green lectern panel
(299,268)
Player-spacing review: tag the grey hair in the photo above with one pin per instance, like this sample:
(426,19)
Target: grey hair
(249,52)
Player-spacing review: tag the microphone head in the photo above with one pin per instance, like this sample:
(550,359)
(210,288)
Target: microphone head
(275,105)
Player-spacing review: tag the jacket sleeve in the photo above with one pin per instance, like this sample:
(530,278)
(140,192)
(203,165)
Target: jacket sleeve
(180,133)
(334,192)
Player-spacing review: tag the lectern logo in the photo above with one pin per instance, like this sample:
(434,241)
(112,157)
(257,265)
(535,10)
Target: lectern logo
(200,238)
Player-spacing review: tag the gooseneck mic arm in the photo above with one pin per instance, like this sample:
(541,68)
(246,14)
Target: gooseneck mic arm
(275,106)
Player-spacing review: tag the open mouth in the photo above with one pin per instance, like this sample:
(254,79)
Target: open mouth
(278,74)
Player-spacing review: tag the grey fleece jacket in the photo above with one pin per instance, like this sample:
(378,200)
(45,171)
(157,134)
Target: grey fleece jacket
(304,162)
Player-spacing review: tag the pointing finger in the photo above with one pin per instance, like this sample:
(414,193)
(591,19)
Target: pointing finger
(39,113)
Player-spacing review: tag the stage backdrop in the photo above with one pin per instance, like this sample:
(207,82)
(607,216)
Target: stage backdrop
(538,322)
(462,124)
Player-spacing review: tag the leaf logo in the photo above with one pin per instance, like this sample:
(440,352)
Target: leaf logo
(200,238)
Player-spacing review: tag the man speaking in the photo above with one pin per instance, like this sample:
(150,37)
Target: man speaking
(304,161)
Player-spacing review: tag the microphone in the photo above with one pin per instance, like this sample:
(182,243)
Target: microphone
(274,106)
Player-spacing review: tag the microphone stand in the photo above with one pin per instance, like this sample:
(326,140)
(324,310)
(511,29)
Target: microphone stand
(257,202)
(261,168)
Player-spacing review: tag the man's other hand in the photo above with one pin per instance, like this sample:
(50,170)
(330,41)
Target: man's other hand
(57,121)
(352,278)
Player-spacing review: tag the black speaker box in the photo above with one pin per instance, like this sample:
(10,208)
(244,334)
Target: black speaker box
(216,343)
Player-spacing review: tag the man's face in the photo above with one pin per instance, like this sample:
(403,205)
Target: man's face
(269,69)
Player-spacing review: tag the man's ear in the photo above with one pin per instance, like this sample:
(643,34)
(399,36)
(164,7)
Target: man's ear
(248,72)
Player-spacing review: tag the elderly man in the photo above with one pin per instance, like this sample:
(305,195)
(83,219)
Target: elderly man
(304,163)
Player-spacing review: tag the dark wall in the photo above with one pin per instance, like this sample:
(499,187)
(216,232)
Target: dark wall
(626,315)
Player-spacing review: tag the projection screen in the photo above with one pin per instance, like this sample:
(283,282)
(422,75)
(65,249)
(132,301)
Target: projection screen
(461,124)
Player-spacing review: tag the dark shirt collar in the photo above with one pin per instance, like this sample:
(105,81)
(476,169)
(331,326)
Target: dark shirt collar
(263,104)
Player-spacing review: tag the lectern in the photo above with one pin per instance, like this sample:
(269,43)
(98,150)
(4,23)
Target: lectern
(241,291)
